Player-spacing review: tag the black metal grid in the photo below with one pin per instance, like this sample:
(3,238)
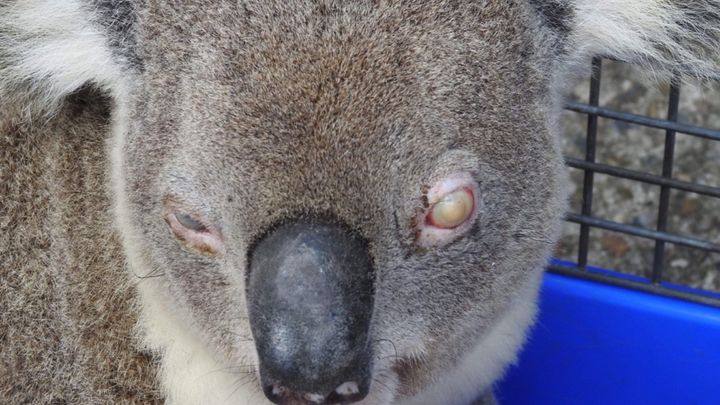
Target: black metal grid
(655,282)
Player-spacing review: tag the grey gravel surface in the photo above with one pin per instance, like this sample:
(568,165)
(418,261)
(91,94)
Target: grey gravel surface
(623,87)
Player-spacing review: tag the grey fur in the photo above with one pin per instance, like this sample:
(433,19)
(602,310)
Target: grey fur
(253,112)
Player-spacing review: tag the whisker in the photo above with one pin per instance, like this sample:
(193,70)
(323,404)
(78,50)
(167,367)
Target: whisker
(382,385)
(151,274)
(392,344)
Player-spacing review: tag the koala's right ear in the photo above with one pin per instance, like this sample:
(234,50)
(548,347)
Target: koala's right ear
(661,35)
(49,49)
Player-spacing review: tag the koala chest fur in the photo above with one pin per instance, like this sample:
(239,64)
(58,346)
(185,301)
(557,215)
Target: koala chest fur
(69,309)
(302,202)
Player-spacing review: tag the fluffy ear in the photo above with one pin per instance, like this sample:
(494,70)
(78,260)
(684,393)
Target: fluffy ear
(662,35)
(50,48)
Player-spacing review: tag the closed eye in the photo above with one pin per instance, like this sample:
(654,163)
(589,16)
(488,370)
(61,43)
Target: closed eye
(190,223)
(193,231)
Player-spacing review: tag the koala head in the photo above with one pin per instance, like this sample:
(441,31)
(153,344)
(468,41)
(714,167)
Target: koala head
(344,201)
(355,192)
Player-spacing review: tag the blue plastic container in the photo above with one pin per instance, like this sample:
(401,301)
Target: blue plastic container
(601,344)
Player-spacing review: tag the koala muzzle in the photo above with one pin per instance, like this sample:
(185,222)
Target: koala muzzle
(310,300)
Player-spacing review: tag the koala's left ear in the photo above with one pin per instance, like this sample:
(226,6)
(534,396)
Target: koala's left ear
(659,34)
(49,49)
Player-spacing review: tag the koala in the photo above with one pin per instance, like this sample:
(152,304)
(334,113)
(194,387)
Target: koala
(296,202)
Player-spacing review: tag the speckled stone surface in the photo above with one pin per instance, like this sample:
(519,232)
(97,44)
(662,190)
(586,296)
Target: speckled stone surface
(639,148)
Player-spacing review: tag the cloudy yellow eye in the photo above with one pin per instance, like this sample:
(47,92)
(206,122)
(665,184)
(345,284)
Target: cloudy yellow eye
(452,210)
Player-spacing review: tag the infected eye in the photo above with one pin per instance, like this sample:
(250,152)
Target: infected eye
(453,205)
(452,210)
(193,232)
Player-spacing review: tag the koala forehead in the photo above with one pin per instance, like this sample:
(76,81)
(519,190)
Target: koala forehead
(330,106)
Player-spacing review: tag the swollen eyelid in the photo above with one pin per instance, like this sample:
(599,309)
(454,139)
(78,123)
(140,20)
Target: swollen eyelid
(193,233)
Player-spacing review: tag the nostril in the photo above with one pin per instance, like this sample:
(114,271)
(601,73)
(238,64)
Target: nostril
(274,392)
(348,388)
(346,392)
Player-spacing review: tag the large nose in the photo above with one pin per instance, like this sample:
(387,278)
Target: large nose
(310,295)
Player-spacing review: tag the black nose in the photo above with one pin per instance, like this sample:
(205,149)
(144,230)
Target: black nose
(310,295)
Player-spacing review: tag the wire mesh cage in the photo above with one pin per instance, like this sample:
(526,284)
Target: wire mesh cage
(654,277)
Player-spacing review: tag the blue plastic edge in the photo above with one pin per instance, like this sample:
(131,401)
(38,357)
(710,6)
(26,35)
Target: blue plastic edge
(600,344)
(632,277)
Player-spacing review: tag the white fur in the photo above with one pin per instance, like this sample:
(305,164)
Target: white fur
(489,359)
(631,30)
(189,373)
(53,47)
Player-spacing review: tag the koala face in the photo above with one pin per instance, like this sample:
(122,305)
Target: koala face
(346,196)
(334,201)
